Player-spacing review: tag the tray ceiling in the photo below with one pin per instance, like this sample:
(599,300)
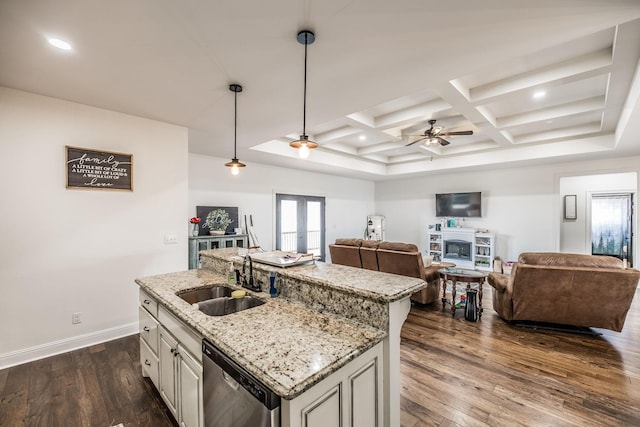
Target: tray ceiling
(534,83)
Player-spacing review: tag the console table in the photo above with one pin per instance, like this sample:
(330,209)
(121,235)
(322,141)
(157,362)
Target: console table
(203,243)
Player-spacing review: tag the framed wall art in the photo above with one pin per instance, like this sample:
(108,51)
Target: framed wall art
(570,202)
(217,219)
(97,169)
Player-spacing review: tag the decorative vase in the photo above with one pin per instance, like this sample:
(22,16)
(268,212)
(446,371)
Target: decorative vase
(471,309)
(195,230)
(216,232)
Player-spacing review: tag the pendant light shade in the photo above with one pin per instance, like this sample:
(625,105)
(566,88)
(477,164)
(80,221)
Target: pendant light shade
(235,164)
(304,144)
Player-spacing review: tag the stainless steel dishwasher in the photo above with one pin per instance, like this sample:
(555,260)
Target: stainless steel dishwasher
(232,396)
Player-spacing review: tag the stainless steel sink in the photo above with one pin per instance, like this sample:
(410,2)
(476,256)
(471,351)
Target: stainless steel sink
(223,306)
(203,294)
(215,300)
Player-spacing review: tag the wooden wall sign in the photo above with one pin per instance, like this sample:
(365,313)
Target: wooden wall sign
(88,168)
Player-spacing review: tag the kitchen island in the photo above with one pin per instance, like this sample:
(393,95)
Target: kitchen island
(327,316)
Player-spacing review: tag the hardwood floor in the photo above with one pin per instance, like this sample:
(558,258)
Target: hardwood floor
(99,386)
(453,372)
(456,372)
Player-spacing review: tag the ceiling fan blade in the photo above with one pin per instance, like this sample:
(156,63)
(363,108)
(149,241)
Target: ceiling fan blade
(443,142)
(462,132)
(417,140)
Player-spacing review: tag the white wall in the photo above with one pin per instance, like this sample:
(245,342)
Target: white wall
(522,206)
(347,201)
(66,251)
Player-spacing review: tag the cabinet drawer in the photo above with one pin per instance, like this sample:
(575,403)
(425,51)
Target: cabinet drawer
(149,362)
(183,333)
(148,329)
(149,303)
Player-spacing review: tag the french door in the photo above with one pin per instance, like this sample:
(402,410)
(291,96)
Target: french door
(611,225)
(300,224)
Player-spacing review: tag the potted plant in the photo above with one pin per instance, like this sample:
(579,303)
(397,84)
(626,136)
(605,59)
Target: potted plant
(217,221)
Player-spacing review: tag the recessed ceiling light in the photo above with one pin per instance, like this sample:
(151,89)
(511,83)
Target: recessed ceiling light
(362,137)
(539,94)
(60,44)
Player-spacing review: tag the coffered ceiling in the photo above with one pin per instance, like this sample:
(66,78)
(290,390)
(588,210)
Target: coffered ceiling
(549,81)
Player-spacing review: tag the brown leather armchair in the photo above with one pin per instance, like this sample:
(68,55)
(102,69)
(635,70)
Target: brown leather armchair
(568,289)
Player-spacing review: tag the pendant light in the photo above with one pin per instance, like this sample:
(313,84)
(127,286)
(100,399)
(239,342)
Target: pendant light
(303,144)
(234,164)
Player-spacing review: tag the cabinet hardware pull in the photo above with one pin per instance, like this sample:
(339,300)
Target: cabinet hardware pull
(146,329)
(146,362)
(146,301)
(173,350)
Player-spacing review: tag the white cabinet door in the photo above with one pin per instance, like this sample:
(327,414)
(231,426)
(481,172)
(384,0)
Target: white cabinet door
(190,383)
(325,411)
(363,396)
(167,356)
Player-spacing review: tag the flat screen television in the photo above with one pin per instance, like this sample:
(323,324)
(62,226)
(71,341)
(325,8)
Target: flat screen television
(459,205)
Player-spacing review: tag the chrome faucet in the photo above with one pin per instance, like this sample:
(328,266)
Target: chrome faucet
(249,283)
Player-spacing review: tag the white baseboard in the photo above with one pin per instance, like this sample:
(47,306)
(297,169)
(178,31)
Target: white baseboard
(57,347)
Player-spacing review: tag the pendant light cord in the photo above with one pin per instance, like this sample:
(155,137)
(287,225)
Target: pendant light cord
(235,125)
(304,106)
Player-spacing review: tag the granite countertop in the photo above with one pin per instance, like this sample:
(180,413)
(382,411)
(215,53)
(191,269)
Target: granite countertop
(375,285)
(284,344)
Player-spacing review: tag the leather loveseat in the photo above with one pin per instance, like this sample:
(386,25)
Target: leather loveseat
(389,257)
(567,289)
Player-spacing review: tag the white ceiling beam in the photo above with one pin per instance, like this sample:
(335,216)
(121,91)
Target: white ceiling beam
(407,158)
(569,109)
(417,112)
(334,134)
(378,148)
(595,61)
(341,147)
(363,119)
(522,153)
(567,132)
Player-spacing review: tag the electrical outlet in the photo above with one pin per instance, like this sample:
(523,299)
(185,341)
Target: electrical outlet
(170,239)
(75,318)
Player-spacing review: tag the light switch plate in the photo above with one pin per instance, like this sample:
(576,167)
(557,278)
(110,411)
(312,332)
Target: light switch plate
(170,239)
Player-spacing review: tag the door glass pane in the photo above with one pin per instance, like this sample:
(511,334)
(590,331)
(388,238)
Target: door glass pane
(610,226)
(314,227)
(288,225)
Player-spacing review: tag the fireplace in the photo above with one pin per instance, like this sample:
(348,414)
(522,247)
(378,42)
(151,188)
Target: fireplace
(456,249)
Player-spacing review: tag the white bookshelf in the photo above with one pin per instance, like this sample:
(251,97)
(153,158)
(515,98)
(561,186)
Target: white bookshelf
(482,247)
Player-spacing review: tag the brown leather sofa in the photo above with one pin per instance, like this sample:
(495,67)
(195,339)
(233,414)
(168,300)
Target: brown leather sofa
(346,252)
(567,289)
(389,257)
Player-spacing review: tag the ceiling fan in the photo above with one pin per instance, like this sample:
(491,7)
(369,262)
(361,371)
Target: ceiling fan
(434,135)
